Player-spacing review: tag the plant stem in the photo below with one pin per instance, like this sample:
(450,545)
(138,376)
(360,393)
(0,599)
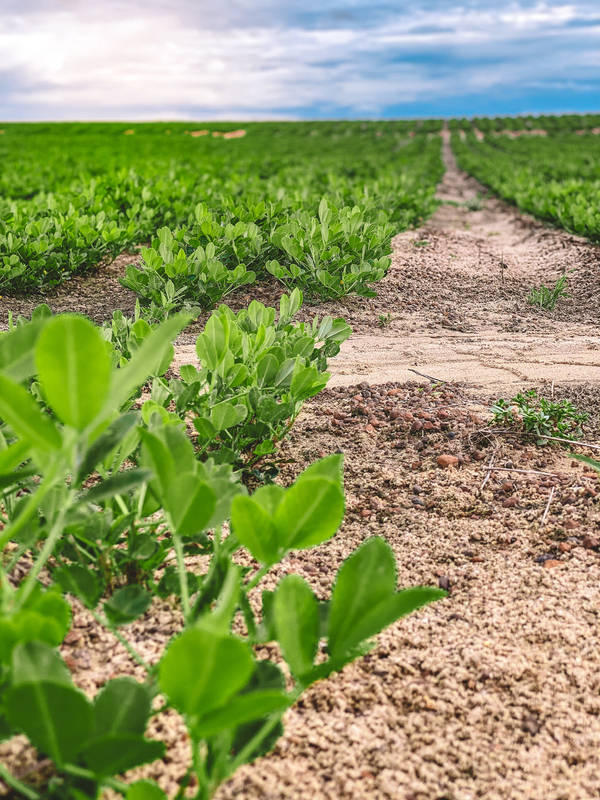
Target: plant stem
(16,784)
(203,792)
(130,649)
(257,578)
(80,772)
(185,596)
(46,552)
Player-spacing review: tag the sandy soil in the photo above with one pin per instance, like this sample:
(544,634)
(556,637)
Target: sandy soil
(494,692)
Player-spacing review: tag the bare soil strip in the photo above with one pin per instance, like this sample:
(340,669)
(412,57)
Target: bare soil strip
(493,692)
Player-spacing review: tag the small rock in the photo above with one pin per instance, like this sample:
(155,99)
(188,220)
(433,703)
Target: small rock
(571,524)
(478,559)
(366,512)
(564,547)
(416,465)
(446,461)
(510,502)
(507,486)
(509,465)
(416,501)
(417,489)
(369,428)
(590,542)
(444,582)
(551,563)
(543,558)
(478,455)
(416,426)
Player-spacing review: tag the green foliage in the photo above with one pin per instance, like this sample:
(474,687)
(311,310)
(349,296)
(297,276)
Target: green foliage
(537,416)
(555,178)
(548,298)
(231,703)
(256,373)
(73,194)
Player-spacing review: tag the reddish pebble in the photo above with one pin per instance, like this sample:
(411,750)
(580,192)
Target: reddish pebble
(590,542)
(478,455)
(551,563)
(369,429)
(564,547)
(447,461)
(571,524)
(416,426)
(510,502)
(416,464)
(365,512)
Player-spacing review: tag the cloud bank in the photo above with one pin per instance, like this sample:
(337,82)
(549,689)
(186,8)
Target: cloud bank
(251,59)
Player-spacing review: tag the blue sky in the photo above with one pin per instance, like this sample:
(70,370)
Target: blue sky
(261,59)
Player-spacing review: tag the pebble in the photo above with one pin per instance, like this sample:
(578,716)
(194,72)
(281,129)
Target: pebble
(510,502)
(478,455)
(446,461)
(590,542)
(551,563)
(444,582)
(571,524)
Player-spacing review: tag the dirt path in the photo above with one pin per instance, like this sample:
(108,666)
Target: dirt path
(458,314)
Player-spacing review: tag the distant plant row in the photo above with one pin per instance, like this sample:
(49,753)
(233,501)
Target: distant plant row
(556,179)
(314,204)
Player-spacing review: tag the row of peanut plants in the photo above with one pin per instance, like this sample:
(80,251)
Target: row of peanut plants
(314,204)
(556,179)
(104,494)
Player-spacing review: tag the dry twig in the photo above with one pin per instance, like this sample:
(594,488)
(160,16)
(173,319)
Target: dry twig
(548,505)
(487,477)
(429,378)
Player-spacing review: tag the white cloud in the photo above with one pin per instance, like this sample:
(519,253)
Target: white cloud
(120,62)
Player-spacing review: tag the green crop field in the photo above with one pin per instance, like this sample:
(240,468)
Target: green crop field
(554,177)
(315,204)
(126,485)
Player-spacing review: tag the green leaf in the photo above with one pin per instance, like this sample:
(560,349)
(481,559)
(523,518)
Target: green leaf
(121,483)
(17,351)
(14,455)
(201,671)
(44,705)
(19,409)
(254,527)
(105,444)
(266,370)
(127,604)
(145,361)
(74,369)
(81,582)
(363,601)
(145,790)
(240,710)
(310,513)
(122,706)
(296,614)
(191,504)
(205,428)
(112,755)
(225,415)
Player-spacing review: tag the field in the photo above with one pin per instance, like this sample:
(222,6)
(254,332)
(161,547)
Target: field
(330,373)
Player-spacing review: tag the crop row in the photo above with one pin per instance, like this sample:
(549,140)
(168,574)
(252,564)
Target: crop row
(106,498)
(73,195)
(556,179)
(549,123)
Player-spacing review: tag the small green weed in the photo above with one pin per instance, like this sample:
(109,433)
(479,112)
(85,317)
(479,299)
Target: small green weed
(548,298)
(536,416)
(384,320)
(421,243)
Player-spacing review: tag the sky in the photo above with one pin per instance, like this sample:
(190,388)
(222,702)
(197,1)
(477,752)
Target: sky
(296,59)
